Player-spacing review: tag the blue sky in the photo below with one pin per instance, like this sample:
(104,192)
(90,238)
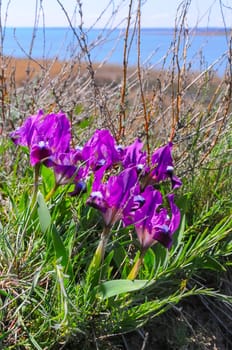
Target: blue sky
(155,13)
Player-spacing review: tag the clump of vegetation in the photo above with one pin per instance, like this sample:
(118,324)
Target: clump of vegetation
(107,228)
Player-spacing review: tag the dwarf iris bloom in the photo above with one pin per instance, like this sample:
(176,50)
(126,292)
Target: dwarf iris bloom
(115,198)
(44,135)
(100,152)
(134,156)
(153,222)
(65,166)
(163,168)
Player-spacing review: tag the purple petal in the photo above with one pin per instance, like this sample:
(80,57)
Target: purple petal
(134,156)
(25,134)
(44,135)
(176,182)
(96,200)
(162,162)
(65,166)
(153,199)
(115,197)
(101,150)
(153,222)
(39,153)
(176,216)
(143,216)
(163,166)
(55,130)
(163,235)
(80,187)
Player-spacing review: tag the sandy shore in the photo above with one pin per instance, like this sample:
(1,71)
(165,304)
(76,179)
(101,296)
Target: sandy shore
(17,72)
(22,70)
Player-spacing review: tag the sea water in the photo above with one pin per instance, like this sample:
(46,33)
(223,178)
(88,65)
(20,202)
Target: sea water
(205,46)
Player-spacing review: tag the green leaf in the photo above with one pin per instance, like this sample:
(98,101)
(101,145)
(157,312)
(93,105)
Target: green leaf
(59,247)
(78,109)
(178,235)
(161,256)
(106,268)
(212,264)
(48,178)
(113,288)
(149,263)
(43,212)
(3,293)
(84,123)
(119,254)
(4,335)
(49,228)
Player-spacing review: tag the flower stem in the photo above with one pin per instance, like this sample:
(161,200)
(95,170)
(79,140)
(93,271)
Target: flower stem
(135,269)
(50,194)
(100,251)
(36,184)
(94,271)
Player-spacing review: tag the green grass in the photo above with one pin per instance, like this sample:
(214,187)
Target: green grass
(52,295)
(46,294)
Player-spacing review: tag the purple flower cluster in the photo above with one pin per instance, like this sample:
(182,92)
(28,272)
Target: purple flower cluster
(124,185)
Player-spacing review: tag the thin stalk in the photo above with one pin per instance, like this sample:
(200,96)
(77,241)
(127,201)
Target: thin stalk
(135,269)
(51,193)
(94,270)
(177,101)
(36,184)
(122,113)
(145,114)
(100,251)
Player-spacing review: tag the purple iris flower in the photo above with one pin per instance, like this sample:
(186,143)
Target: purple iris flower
(101,151)
(24,135)
(115,198)
(153,222)
(134,156)
(66,167)
(163,168)
(44,135)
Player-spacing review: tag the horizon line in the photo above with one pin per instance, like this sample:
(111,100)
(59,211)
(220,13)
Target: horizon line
(105,28)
